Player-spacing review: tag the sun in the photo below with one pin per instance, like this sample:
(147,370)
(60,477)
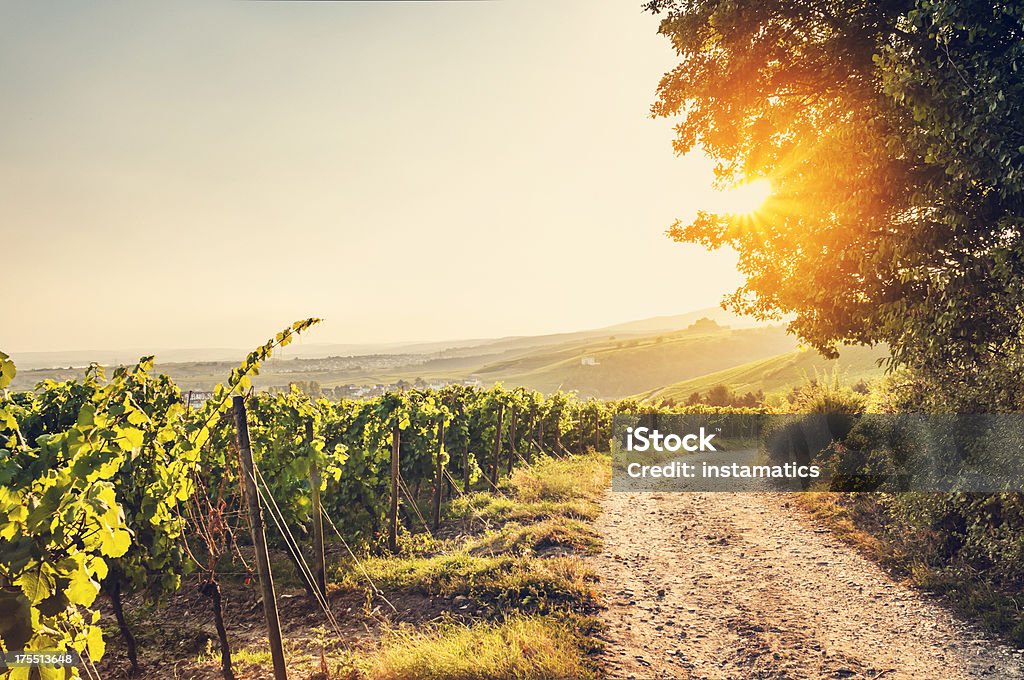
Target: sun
(744,199)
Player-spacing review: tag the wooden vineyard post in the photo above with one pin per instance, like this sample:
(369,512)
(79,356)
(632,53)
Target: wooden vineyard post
(320,575)
(393,510)
(465,467)
(512,441)
(496,458)
(259,539)
(528,433)
(559,449)
(438,477)
(579,430)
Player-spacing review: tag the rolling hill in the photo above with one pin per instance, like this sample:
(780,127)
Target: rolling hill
(616,367)
(779,372)
(661,357)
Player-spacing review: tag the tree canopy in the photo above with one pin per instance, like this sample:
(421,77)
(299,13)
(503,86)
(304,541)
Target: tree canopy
(892,133)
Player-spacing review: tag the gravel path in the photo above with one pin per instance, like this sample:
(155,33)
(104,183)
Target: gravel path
(739,585)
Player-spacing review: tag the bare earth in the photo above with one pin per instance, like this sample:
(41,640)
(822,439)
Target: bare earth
(740,585)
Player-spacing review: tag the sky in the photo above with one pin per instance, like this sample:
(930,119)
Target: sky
(197,174)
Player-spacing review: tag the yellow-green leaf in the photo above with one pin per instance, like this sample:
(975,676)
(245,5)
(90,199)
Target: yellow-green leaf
(94,643)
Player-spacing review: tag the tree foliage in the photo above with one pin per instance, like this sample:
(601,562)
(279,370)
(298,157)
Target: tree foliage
(893,135)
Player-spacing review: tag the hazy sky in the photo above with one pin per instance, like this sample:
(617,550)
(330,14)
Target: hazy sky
(200,174)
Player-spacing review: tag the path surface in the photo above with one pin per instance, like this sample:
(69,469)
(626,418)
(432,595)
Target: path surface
(739,585)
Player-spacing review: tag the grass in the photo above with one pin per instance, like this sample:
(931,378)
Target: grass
(529,617)
(558,531)
(499,562)
(487,510)
(562,479)
(247,656)
(520,581)
(550,488)
(848,517)
(997,610)
(524,648)
(304,656)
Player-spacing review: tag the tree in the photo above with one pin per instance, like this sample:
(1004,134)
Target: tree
(892,133)
(720,395)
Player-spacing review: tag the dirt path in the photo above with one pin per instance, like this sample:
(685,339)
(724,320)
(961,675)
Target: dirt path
(738,585)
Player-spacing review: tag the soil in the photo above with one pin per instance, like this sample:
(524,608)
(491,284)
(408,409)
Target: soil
(745,585)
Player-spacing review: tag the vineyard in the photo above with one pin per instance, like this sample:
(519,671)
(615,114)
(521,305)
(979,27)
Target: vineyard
(116,487)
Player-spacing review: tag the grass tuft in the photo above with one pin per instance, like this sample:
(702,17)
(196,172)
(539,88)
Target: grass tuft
(562,479)
(510,582)
(549,488)
(525,648)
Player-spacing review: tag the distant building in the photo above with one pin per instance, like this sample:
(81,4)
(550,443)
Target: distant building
(589,361)
(196,398)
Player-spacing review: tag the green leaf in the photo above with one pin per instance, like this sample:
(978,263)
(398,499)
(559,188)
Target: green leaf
(94,644)
(36,583)
(131,438)
(87,415)
(138,417)
(115,543)
(7,370)
(52,673)
(81,589)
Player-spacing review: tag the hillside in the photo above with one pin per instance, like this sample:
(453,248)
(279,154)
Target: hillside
(779,372)
(616,367)
(609,362)
(459,347)
(662,357)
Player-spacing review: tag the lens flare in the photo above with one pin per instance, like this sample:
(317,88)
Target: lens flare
(744,199)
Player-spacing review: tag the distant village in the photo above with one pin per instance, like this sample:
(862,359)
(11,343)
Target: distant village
(347,391)
(353,391)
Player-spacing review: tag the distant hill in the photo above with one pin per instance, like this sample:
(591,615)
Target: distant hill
(656,324)
(779,372)
(616,366)
(669,356)
(312,350)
